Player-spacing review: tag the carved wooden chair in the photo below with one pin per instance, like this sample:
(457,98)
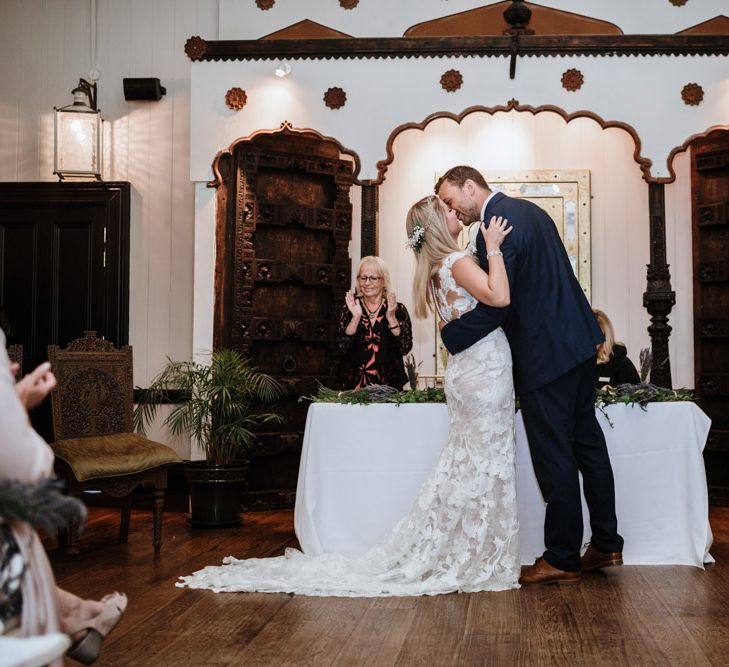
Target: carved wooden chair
(15,352)
(95,444)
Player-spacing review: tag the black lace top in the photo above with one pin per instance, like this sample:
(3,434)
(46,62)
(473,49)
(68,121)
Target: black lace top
(374,355)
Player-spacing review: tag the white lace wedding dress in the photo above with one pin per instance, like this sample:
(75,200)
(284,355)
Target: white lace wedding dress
(462,532)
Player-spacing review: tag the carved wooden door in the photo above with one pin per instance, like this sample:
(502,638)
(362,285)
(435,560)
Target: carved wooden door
(287,270)
(710,201)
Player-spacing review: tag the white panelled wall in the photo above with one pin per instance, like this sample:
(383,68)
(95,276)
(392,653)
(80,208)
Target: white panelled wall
(46,49)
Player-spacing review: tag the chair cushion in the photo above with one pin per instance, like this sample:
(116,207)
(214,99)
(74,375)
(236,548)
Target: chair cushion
(112,455)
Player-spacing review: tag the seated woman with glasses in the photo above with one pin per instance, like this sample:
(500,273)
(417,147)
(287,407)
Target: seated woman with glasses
(374,331)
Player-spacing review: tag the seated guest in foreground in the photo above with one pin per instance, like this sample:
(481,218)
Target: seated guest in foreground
(41,608)
(374,330)
(613,365)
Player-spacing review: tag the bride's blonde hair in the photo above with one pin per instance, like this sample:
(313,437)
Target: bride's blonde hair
(434,246)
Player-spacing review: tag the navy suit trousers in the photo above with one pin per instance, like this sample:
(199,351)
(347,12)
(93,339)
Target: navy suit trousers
(564,439)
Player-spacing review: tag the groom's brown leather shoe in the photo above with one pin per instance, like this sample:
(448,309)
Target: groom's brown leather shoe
(543,573)
(596,560)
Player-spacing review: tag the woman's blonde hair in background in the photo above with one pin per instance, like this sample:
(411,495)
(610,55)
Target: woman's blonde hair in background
(605,350)
(381,270)
(436,245)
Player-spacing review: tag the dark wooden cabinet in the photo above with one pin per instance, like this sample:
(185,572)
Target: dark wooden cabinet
(282,269)
(64,266)
(710,204)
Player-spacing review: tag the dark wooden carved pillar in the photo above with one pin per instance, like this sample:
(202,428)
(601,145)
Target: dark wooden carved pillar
(710,213)
(658,299)
(370,209)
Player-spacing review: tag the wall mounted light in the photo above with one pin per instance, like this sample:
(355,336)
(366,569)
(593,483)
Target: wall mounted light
(77,135)
(282,69)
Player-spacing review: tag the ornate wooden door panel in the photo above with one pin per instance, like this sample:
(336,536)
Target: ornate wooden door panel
(710,202)
(289,219)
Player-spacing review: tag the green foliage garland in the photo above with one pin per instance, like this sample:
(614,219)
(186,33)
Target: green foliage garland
(642,394)
(376,393)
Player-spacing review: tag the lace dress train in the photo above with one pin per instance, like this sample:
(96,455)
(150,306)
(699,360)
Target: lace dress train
(462,532)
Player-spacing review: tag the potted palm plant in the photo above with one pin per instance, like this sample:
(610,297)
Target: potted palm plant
(219,404)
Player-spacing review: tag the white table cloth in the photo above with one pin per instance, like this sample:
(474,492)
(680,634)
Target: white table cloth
(362,465)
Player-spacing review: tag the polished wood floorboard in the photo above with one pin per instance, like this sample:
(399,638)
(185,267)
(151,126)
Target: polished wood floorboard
(634,615)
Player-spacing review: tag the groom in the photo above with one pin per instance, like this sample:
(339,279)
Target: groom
(553,336)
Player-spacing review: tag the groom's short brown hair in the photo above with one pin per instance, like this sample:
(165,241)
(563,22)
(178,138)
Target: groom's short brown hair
(459,175)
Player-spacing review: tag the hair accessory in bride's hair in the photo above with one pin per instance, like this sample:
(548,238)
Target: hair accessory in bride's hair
(415,239)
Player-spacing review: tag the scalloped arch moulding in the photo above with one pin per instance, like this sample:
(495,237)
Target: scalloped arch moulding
(385,96)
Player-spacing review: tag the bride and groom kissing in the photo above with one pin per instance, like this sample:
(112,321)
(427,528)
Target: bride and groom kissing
(520,300)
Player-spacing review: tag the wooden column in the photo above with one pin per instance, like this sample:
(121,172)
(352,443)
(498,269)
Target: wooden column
(370,209)
(658,299)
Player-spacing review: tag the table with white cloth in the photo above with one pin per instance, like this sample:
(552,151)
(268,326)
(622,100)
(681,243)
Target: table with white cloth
(362,466)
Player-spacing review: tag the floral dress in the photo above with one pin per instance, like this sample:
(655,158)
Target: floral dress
(373,355)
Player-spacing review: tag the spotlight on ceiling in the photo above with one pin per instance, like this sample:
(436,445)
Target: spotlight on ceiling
(282,69)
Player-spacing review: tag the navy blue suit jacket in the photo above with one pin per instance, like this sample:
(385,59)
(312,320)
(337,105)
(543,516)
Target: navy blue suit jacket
(550,325)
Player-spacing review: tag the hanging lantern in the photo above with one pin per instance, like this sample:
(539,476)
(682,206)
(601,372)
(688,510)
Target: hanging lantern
(77,136)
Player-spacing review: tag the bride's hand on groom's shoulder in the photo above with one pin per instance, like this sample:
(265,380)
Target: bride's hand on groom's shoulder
(496,232)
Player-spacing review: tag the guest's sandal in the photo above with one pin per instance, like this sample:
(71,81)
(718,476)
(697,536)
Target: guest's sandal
(86,650)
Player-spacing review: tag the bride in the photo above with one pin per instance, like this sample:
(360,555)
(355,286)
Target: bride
(462,532)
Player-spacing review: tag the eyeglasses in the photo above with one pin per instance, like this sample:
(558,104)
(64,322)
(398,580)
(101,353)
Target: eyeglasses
(369,279)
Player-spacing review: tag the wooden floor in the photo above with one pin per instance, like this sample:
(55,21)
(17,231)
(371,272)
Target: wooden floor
(634,615)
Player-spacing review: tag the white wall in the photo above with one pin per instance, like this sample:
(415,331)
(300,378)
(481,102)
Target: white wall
(523,141)
(46,49)
(239,19)
(383,94)
(680,260)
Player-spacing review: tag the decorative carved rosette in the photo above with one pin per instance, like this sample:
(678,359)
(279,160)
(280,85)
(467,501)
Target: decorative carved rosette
(572,80)
(195,47)
(235,99)
(678,3)
(349,4)
(335,98)
(692,94)
(451,80)
(265,4)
